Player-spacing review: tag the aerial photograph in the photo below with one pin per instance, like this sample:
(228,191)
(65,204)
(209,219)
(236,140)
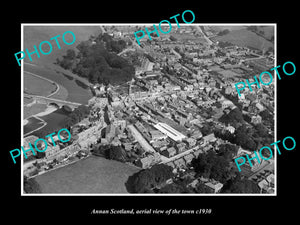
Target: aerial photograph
(125,111)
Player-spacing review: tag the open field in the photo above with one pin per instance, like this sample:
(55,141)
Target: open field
(34,35)
(34,109)
(38,86)
(246,38)
(90,175)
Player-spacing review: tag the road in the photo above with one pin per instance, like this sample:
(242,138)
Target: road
(52,99)
(180,155)
(137,135)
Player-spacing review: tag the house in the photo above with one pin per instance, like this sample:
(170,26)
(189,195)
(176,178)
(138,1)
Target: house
(256,119)
(169,152)
(188,158)
(231,129)
(30,140)
(197,135)
(127,146)
(51,150)
(179,163)
(148,161)
(270,179)
(260,106)
(209,138)
(191,142)
(197,152)
(157,135)
(215,186)
(181,147)
(263,185)
(193,184)
(227,103)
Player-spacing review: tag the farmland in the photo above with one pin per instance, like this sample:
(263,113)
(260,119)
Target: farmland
(246,38)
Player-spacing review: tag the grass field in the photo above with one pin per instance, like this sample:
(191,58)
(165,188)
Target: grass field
(34,35)
(34,109)
(37,86)
(243,37)
(90,175)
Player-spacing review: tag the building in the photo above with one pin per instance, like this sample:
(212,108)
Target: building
(209,138)
(191,142)
(157,135)
(188,158)
(256,119)
(30,139)
(170,132)
(227,103)
(214,186)
(179,163)
(231,129)
(181,147)
(148,161)
(169,152)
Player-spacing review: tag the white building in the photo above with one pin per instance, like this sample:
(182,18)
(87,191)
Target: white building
(170,132)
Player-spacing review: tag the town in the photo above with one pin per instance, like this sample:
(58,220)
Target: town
(179,110)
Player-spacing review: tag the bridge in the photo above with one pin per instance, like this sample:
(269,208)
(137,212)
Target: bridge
(58,102)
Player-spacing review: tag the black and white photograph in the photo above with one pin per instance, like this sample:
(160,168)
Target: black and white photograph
(148,111)
(148,114)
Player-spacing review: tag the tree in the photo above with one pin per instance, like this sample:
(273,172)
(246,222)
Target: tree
(40,155)
(70,54)
(234,117)
(223,32)
(239,185)
(210,165)
(224,135)
(99,60)
(116,153)
(31,185)
(228,151)
(146,180)
(243,137)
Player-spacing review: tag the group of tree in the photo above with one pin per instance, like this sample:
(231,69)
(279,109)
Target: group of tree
(267,118)
(211,165)
(228,151)
(112,45)
(31,185)
(146,180)
(240,184)
(244,138)
(223,32)
(224,135)
(76,116)
(234,117)
(97,60)
(111,152)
